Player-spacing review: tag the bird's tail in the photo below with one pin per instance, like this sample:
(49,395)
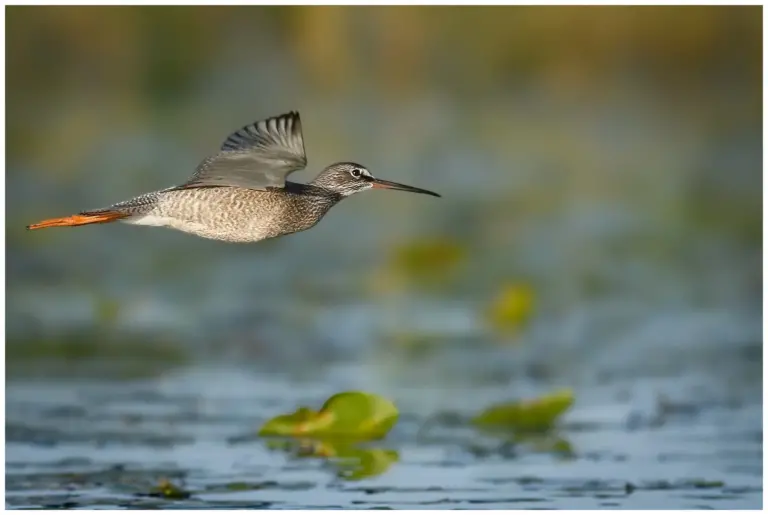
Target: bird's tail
(96,217)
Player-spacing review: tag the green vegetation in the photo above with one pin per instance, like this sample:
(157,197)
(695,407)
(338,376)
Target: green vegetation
(431,264)
(511,309)
(338,432)
(350,414)
(124,357)
(167,490)
(533,415)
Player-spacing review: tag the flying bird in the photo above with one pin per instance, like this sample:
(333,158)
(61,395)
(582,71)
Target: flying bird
(241,193)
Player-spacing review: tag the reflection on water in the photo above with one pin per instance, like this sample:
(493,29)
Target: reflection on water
(352,461)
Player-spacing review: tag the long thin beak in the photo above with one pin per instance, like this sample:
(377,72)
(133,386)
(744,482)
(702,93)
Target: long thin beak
(389,185)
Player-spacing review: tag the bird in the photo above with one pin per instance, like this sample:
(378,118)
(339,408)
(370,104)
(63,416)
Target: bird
(240,194)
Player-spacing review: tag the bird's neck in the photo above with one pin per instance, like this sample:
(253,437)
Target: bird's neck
(313,197)
(314,189)
(307,204)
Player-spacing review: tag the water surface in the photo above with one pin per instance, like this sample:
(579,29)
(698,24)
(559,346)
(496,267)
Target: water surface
(102,443)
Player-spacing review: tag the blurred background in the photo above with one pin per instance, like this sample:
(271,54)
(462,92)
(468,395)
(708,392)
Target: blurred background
(600,226)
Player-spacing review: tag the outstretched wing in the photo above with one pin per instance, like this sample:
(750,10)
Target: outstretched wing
(258,156)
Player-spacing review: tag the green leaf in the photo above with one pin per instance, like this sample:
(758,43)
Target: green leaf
(168,490)
(430,257)
(361,414)
(511,309)
(533,415)
(703,483)
(431,264)
(357,415)
(303,421)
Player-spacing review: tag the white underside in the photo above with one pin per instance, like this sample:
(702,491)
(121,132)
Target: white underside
(195,228)
(164,221)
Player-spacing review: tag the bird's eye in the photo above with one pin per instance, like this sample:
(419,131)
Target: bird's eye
(356,172)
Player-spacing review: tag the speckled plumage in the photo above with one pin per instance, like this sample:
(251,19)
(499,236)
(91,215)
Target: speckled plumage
(230,213)
(241,194)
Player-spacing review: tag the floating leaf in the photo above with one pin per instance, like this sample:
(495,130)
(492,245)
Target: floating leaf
(303,421)
(703,483)
(435,256)
(527,416)
(168,490)
(426,263)
(334,431)
(348,414)
(511,309)
(240,486)
(107,311)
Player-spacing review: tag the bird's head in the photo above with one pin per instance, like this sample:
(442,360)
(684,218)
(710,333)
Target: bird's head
(348,178)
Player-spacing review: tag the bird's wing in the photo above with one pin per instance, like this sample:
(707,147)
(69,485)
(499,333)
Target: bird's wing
(258,156)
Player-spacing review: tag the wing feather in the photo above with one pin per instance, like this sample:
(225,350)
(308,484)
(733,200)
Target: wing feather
(258,156)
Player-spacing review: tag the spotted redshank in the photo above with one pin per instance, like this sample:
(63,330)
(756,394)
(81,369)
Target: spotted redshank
(241,193)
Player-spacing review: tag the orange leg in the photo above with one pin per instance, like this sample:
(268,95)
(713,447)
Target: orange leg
(82,219)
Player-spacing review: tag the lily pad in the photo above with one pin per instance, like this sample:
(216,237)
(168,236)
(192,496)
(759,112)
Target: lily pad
(357,415)
(168,490)
(532,415)
(432,257)
(303,421)
(511,309)
(429,264)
